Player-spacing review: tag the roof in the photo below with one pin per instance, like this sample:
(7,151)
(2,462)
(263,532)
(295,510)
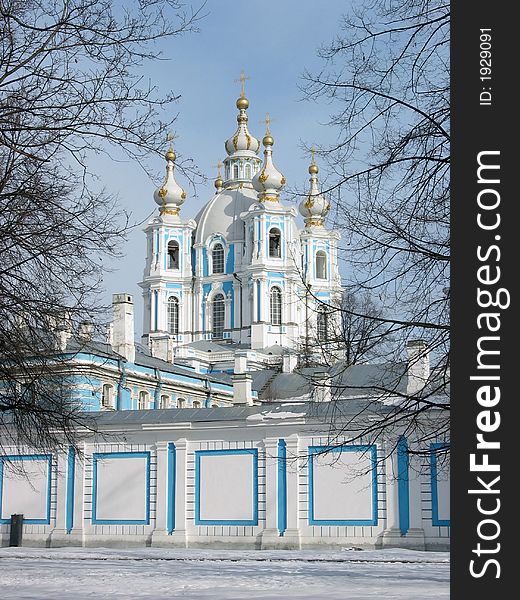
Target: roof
(143,359)
(275,411)
(222,214)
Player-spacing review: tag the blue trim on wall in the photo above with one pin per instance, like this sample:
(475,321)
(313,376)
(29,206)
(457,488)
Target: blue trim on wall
(170,488)
(100,456)
(282,487)
(435,491)
(258,301)
(156,310)
(20,458)
(312,450)
(403,488)
(251,451)
(69,507)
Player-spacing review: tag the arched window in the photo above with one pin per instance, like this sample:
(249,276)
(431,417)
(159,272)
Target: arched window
(322,325)
(173,255)
(275,243)
(173,315)
(217,256)
(321,265)
(165,401)
(214,405)
(218,316)
(143,400)
(248,171)
(235,171)
(181,402)
(107,396)
(196,404)
(275,297)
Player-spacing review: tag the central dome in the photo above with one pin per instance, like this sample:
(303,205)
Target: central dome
(222,214)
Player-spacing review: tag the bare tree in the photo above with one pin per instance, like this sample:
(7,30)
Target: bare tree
(71,86)
(386,77)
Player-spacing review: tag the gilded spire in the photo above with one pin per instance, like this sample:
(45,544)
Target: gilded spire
(170,196)
(242,102)
(242,139)
(269,181)
(218,180)
(315,206)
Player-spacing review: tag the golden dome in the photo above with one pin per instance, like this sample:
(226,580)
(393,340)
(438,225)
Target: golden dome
(242,103)
(218,182)
(170,155)
(268,140)
(313,169)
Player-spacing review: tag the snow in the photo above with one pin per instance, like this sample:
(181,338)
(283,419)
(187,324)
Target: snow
(274,415)
(81,573)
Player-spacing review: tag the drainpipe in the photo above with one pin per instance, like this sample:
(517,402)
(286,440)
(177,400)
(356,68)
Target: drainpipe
(209,397)
(122,381)
(240,282)
(158,389)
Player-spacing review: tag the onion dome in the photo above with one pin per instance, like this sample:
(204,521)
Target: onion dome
(170,196)
(242,139)
(315,206)
(268,182)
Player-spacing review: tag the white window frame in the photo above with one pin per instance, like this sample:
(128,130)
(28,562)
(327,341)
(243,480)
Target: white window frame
(175,243)
(275,289)
(110,402)
(173,301)
(322,255)
(271,229)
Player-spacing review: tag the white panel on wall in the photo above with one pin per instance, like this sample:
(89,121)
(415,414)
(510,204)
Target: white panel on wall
(443,488)
(225,487)
(25,489)
(342,486)
(121,488)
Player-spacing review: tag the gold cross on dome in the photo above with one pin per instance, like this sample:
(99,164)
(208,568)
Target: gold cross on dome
(313,152)
(268,120)
(218,166)
(170,137)
(242,80)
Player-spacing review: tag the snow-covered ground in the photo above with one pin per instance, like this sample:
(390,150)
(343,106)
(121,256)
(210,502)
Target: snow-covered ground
(81,573)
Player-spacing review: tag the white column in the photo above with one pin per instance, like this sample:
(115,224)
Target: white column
(161,500)
(270,533)
(415,534)
(292,534)
(179,537)
(392,491)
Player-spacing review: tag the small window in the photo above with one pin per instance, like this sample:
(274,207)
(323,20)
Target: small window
(181,402)
(322,325)
(217,256)
(173,315)
(107,396)
(275,243)
(235,171)
(196,404)
(143,400)
(173,255)
(275,297)
(248,171)
(321,265)
(218,313)
(165,401)
(214,405)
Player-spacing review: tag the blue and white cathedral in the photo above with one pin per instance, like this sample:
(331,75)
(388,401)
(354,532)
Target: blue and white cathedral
(242,272)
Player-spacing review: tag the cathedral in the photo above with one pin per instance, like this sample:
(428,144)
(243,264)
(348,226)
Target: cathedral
(219,429)
(241,274)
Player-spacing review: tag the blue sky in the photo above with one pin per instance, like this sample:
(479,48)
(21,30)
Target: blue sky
(273,42)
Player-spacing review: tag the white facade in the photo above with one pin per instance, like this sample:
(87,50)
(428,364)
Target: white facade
(244,478)
(242,270)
